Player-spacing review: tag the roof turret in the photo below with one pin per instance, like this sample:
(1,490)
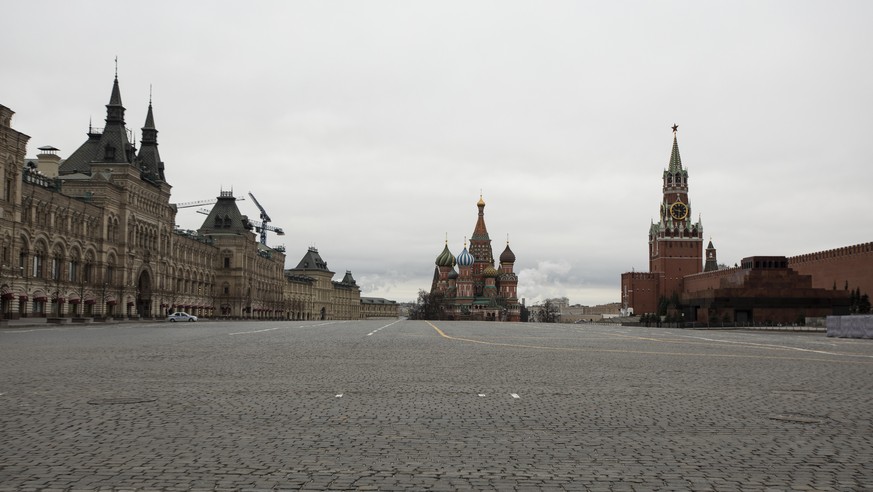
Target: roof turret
(149,159)
(114,145)
(225,217)
(349,279)
(312,261)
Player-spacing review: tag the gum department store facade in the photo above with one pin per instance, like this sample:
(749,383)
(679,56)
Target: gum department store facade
(94,235)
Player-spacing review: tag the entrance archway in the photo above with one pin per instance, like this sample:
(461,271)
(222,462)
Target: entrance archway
(144,294)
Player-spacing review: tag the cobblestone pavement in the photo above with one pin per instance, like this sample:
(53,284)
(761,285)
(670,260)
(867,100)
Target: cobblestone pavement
(410,405)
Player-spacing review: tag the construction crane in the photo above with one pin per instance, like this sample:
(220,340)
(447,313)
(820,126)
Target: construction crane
(257,224)
(202,202)
(264,225)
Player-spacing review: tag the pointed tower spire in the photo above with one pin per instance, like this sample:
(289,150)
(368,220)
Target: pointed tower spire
(480,248)
(115,110)
(114,145)
(149,158)
(675,160)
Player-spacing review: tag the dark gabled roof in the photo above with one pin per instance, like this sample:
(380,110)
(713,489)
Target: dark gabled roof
(312,261)
(112,145)
(349,279)
(225,217)
(80,160)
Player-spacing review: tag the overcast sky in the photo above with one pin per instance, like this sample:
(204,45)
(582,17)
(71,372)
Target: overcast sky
(368,129)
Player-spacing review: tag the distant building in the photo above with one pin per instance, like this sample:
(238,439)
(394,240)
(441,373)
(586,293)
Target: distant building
(376,307)
(477,290)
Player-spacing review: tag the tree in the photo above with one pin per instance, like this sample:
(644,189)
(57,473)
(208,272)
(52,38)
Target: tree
(859,303)
(864,304)
(429,305)
(548,312)
(525,314)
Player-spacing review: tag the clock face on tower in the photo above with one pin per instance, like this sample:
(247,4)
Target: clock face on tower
(678,210)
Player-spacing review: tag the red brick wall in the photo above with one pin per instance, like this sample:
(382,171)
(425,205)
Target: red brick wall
(640,291)
(677,259)
(852,264)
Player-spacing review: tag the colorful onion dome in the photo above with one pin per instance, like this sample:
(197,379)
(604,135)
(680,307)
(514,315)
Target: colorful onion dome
(453,274)
(490,272)
(446,258)
(465,258)
(507,256)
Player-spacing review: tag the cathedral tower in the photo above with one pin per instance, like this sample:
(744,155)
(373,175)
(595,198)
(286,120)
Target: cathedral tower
(480,248)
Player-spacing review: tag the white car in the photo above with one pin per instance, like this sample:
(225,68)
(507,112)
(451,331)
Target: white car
(180,316)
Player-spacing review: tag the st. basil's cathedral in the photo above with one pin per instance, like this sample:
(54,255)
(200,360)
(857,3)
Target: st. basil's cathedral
(477,290)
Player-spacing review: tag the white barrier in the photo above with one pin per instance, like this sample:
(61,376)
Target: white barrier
(860,326)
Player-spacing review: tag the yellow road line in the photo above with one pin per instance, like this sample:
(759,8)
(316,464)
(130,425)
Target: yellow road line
(643,352)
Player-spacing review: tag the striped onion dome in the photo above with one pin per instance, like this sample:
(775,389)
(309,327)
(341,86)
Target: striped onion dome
(446,258)
(453,274)
(490,272)
(465,258)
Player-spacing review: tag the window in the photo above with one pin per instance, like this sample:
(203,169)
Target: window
(72,271)
(226,262)
(36,267)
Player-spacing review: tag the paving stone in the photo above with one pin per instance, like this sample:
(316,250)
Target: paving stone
(600,408)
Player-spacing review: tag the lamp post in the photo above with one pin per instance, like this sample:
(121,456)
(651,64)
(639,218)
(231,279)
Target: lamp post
(3,302)
(26,290)
(103,297)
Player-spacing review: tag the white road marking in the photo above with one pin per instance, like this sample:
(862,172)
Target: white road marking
(386,326)
(514,395)
(339,395)
(481,394)
(773,346)
(29,331)
(281,328)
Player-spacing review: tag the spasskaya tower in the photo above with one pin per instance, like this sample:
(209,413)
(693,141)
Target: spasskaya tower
(675,243)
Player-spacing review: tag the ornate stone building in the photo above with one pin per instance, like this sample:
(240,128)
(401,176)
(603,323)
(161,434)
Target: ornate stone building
(477,290)
(94,235)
